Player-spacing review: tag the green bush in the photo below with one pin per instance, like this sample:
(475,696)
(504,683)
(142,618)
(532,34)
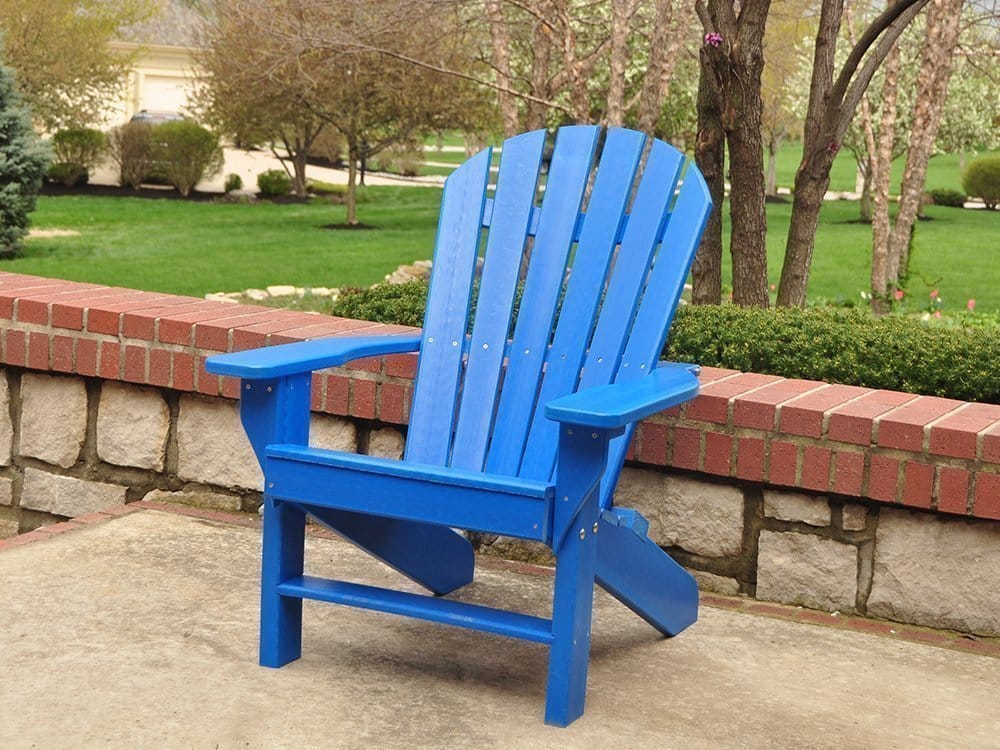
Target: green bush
(982,180)
(76,151)
(828,344)
(131,148)
(948,197)
(186,153)
(69,175)
(233,182)
(402,304)
(274,183)
(842,346)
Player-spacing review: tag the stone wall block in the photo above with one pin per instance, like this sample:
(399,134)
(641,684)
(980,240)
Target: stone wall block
(132,425)
(333,433)
(937,571)
(6,426)
(8,527)
(195,498)
(212,447)
(807,570)
(717,584)
(855,517)
(66,496)
(701,517)
(53,418)
(6,491)
(795,506)
(386,443)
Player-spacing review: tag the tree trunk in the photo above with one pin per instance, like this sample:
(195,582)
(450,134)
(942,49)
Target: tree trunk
(500,38)
(937,58)
(811,181)
(706,273)
(541,50)
(621,11)
(748,217)
(352,183)
(771,182)
(664,45)
(865,203)
(882,276)
(741,107)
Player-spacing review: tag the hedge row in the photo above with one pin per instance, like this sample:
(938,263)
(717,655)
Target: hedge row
(827,344)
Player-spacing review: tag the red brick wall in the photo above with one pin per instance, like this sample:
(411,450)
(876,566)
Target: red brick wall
(896,448)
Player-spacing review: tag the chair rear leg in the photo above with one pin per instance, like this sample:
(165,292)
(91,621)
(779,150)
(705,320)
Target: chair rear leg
(571,616)
(283,558)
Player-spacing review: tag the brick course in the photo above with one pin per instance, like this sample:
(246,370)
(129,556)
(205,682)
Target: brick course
(878,445)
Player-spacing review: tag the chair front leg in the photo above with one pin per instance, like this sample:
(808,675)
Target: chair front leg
(582,457)
(283,558)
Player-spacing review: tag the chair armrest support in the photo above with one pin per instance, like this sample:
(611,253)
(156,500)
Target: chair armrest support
(619,404)
(305,356)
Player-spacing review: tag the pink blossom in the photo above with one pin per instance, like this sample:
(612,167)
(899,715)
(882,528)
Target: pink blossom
(898,294)
(712,39)
(772,287)
(971,304)
(937,313)
(934,294)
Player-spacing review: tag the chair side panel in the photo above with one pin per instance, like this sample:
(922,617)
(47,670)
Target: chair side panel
(439,370)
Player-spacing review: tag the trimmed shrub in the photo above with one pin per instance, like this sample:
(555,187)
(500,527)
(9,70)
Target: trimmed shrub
(186,153)
(982,180)
(842,346)
(401,158)
(68,175)
(233,182)
(384,303)
(24,160)
(946,197)
(274,183)
(827,344)
(76,151)
(131,148)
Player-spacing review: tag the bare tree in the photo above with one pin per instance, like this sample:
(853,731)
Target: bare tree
(832,105)
(376,71)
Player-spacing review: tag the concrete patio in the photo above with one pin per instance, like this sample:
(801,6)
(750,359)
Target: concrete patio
(140,631)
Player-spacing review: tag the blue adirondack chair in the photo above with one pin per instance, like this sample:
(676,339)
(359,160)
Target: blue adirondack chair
(518,433)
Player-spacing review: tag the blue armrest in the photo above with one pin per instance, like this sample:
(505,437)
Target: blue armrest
(306,356)
(619,404)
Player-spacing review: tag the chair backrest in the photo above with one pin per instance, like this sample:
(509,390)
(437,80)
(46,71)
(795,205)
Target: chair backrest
(598,265)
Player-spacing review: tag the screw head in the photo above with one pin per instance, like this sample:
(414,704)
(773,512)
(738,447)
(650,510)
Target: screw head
(583,533)
(595,527)
(247,386)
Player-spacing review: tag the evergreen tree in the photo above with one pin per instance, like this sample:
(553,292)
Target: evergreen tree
(24,159)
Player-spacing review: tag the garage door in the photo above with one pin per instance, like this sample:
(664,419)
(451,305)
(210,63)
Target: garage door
(163,93)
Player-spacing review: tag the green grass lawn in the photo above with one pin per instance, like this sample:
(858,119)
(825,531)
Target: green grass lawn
(195,248)
(956,251)
(943,171)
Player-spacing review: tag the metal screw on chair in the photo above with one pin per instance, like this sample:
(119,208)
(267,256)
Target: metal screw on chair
(247,386)
(583,533)
(595,527)
(269,389)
